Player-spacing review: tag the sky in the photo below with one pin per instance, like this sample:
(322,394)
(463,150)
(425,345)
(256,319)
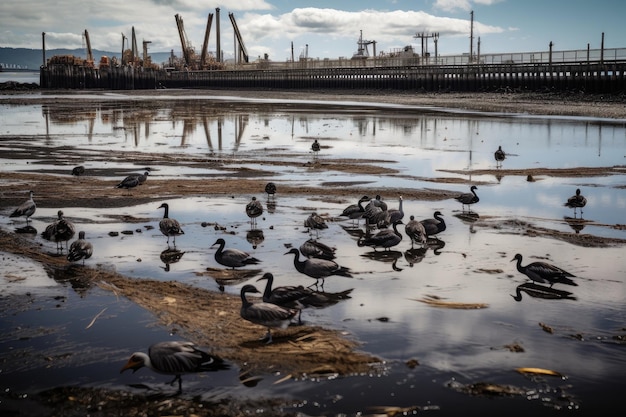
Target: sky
(321,29)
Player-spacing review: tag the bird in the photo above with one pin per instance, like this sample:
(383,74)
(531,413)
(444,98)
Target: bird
(232,257)
(385,238)
(265,314)
(355,211)
(544,272)
(576,201)
(59,231)
(27,208)
(315,147)
(434,225)
(78,171)
(415,231)
(285,296)
(133,180)
(80,249)
(318,268)
(270,189)
(376,213)
(396,214)
(315,221)
(254,209)
(169,227)
(500,156)
(315,249)
(175,358)
(468,199)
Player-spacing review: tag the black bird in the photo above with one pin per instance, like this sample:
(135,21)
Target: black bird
(576,201)
(318,268)
(315,249)
(544,272)
(355,211)
(59,231)
(315,221)
(169,227)
(385,238)
(500,156)
(133,180)
(254,209)
(175,358)
(285,296)
(415,231)
(27,208)
(232,257)
(468,199)
(315,147)
(270,189)
(78,171)
(435,225)
(80,249)
(266,314)
(396,214)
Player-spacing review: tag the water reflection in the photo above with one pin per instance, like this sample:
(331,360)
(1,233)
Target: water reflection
(541,291)
(576,224)
(387,256)
(170,256)
(416,255)
(26,230)
(255,237)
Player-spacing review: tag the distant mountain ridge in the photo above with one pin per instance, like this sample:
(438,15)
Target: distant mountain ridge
(32,59)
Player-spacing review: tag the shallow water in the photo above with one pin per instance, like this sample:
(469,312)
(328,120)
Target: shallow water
(471,263)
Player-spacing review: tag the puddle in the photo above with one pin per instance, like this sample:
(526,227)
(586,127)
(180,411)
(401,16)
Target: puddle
(469,264)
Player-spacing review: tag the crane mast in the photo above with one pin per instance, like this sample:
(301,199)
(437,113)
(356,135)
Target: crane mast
(244,52)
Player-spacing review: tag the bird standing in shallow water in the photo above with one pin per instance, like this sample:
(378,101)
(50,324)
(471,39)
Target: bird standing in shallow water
(59,231)
(415,231)
(265,314)
(318,268)
(270,189)
(544,272)
(500,156)
(435,225)
(355,211)
(27,208)
(175,358)
(169,227)
(80,249)
(232,257)
(254,209)
(285,296)
(385,238)
(315,147)
(468,199)
(576,201)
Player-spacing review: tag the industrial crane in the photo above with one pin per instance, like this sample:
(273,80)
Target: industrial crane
(242,47)
(362,52)
(89,61)
(188,51)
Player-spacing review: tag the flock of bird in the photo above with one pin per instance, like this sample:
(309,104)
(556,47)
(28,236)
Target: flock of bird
(283,304)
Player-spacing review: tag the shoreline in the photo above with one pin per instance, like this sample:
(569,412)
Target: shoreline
(508,102)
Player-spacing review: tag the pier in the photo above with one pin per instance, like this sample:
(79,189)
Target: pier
(593,77)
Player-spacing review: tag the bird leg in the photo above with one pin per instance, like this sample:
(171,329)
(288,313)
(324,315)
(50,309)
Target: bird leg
(180,383)
(267,336)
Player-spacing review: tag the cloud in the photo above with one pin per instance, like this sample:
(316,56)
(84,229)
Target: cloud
(465,5)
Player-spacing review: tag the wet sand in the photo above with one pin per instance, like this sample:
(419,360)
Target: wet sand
(303,349)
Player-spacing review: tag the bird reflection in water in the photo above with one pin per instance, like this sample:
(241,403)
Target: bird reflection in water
(255,237)
(26,230)
(576,224)
(170,256)
(541,291)
(388,256)
(416,255)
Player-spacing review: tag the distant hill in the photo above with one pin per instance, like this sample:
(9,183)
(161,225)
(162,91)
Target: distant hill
(23,58)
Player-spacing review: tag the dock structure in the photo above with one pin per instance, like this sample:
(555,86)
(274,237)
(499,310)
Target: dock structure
(600,76)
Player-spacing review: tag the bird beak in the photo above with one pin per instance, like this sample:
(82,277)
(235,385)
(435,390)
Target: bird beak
(134,365)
